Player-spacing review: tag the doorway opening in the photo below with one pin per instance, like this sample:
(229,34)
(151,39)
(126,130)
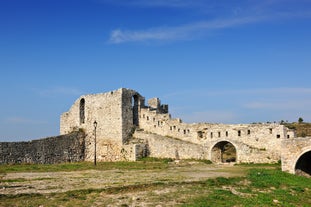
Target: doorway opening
(135,110)
(224,152)
(303,165)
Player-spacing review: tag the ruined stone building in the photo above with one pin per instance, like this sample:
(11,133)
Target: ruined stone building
(128,128)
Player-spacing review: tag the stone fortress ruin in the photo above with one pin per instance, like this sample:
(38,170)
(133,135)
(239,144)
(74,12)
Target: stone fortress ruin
(128,128)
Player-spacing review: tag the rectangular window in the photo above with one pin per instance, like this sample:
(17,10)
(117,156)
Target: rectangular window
(248,132)
(227,134)
(278,136)
(200,134)
(219,134)
(211,134)
(239,133)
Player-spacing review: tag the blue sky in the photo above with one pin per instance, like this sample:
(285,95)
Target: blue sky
(211,61)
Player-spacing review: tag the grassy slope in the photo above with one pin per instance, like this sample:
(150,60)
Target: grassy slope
(302,129)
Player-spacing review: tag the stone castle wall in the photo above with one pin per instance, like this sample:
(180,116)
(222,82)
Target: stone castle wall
(64,148)
(164,147)
(128,129)
(254,142)
(113,112)
(293,149)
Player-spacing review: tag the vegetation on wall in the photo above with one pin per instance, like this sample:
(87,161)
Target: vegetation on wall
(302,129)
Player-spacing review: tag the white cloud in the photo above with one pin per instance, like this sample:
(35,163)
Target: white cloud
(240,105)
(259,92)
(182,32)
(221,16)
(119,36)
(279,104)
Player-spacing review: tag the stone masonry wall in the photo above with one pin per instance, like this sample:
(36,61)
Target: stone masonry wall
(113,112)
(165,147)
(105,109)
(256,143)
(122,112)
(292,150)
(64,148)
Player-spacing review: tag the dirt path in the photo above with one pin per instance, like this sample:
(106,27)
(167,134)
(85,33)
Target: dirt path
(54,182)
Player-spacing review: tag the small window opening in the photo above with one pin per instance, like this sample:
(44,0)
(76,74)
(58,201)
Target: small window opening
(171,128)
(288,136)
(278,136)
(147,118)
(185,131)
(248,132)
(270,130)
(211,134)
(200,134)
(82,111)
(219,134)
(227,133)
(239,133)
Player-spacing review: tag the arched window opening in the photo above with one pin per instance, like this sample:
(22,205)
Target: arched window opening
(82,111)
(223,152)
(135,110)
(303,165)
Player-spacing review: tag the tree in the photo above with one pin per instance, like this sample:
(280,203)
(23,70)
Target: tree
(300,120)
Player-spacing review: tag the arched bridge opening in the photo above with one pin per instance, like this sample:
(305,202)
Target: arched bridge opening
(303,164)
(224,152)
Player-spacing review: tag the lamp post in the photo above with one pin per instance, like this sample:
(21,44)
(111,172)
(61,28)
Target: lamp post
(95,125)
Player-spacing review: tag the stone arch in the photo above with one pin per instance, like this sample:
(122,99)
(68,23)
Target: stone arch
(82,111)
(302,164)
(135,106)
(223,152)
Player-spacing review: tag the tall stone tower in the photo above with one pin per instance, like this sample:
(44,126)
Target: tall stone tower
(116,114)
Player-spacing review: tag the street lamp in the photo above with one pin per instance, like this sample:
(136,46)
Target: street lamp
(95,125)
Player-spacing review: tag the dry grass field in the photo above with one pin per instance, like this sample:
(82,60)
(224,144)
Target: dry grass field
(151,183)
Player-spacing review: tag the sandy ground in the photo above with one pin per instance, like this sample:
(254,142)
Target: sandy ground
(54,182)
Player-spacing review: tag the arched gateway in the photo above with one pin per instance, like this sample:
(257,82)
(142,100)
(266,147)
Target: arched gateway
(223,152)
(303,164)
(296,156)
